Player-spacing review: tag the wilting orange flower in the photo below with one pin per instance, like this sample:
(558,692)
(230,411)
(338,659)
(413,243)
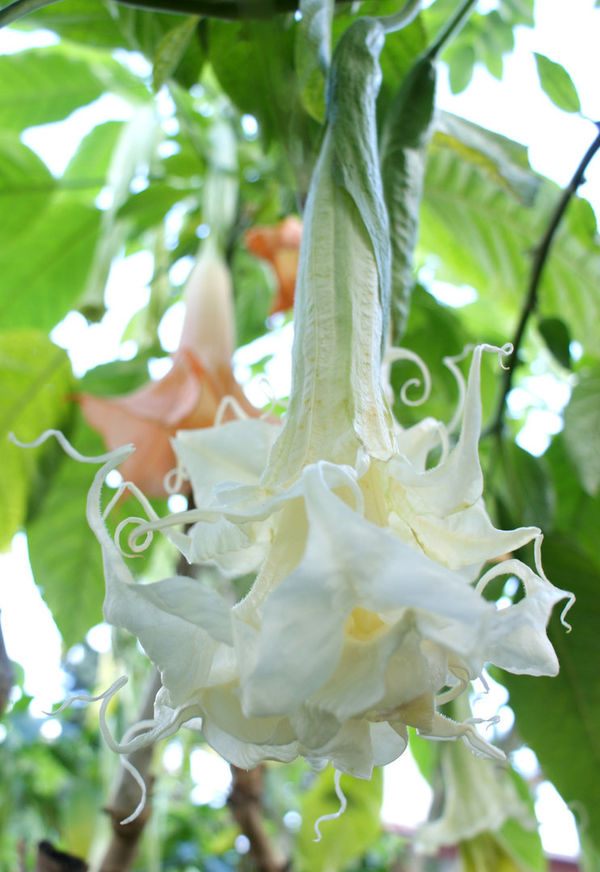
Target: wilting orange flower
(280,245)
(189,396)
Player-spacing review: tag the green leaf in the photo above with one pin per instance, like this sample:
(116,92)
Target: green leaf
(345,839)
(405,138)
(39,86)
(84,21)
(26,187)
(484,38)
(46,267)
(480,230)
(555,334)
(557,84)
(87,170)
(560,717)
(576,513)
(254,63)
(461,69)
(313,53)
(582,425)
(171,49)
(36,379)
(65,558)
(522,483)
(149,207)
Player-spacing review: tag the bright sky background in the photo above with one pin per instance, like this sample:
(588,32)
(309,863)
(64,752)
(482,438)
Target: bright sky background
(515,107)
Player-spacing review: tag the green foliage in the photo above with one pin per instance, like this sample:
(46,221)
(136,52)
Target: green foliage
(64,561)
(39,87)
(582,418)
(557,84)
(555,334)
(345,839)
(570,702)
(479,232)
(36,380)
(484,38)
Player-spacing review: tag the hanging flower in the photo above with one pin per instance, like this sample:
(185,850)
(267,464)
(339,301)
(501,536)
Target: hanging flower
(190,395)
(367,609)
(279,245)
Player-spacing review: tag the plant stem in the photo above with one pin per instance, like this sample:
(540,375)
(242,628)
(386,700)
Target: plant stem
(21,8)
(245,804)
(537,268)
(452,26)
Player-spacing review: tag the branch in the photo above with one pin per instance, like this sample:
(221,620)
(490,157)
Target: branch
(50,860)
(245,804)
(451,29)
(537,268)
(228,10)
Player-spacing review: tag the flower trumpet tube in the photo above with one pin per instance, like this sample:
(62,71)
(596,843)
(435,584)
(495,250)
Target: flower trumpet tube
(367,609)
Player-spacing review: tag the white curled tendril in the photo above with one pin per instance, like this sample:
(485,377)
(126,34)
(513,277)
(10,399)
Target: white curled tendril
(174,479)
(67,447)
(394,354)
(336,814)
(502,351)
(106,698)
(537,556)
(227,403)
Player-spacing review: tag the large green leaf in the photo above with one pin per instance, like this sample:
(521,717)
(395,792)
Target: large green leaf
(26,186)
(557,84)
(37,87)
(576,513)
(560,717)
(268,87)
(345,839)
(36,379)
(582,425)
(65,558)
(481,230)
(44,270)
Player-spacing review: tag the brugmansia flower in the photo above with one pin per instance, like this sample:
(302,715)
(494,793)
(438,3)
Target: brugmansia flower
(367,608)
(279,245)
(190,395)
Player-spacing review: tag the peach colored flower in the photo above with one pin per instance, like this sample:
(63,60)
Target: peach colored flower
(279,244)
(189,396)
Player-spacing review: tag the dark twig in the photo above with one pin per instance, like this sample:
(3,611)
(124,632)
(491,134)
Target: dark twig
(537,268)
(50,860)
(245,804)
